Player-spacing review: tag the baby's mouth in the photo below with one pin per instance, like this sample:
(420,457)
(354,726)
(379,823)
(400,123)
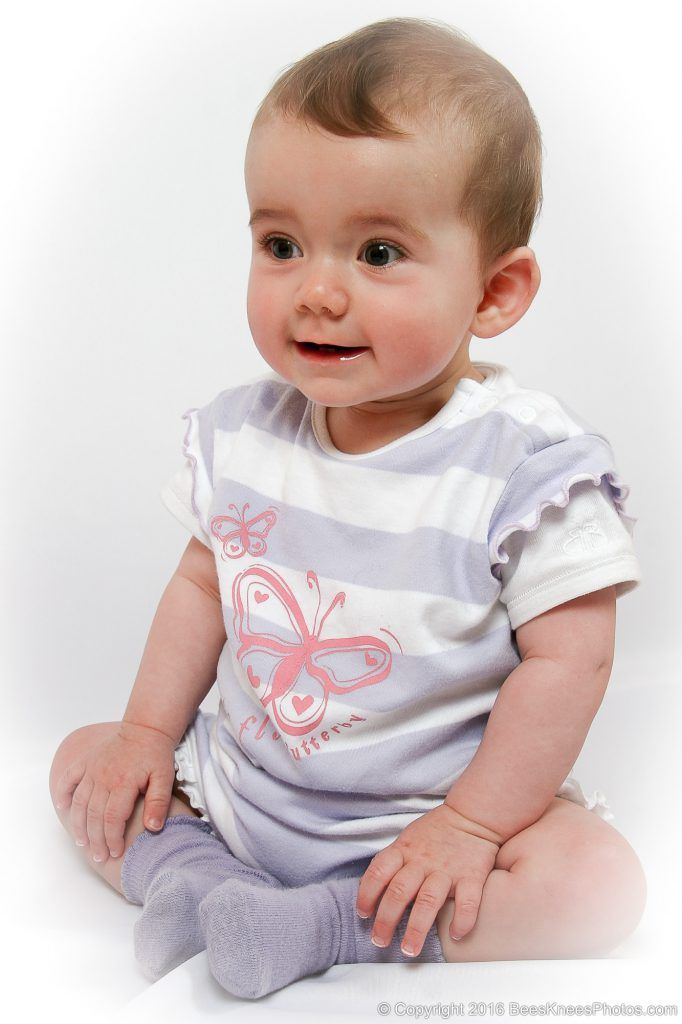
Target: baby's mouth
(321,351)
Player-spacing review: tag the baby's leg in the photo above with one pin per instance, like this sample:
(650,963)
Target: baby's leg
(168,872)
(73,747)
(568,886)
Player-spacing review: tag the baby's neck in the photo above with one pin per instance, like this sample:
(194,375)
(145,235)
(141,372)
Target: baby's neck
(356,431)
(353,439)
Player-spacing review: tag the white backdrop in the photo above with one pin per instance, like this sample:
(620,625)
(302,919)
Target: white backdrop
(124,258)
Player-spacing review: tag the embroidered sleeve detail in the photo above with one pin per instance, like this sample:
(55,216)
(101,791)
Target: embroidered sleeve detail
(560,530)
(559,499)
(545,479)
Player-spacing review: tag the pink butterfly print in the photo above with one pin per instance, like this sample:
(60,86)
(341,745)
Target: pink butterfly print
(295,678)
(239,535)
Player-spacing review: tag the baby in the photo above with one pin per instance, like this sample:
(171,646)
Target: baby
(402,573)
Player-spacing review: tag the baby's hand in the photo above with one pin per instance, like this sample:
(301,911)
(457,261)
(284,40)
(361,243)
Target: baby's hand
(432,860)
(102,787)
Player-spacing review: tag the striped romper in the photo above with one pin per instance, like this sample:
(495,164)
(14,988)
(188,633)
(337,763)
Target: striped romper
(370,602)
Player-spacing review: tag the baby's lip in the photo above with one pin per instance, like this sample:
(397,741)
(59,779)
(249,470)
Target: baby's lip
(336,344)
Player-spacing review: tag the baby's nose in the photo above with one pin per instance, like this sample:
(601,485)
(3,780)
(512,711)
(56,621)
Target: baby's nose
(322,292)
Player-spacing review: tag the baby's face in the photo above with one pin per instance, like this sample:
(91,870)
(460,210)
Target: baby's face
(356,243)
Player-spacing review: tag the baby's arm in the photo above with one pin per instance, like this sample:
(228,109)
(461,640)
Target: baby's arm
(179,662)
(541,717)
(177,670)
(533,736)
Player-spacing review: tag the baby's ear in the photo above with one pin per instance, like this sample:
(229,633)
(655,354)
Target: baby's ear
(510,284)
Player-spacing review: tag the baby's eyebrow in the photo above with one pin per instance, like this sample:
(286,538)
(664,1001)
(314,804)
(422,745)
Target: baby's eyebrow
(362,219)
(267,213)
(369,220)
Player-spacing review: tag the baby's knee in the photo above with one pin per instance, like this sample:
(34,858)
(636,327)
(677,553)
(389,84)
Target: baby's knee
(600,895)
(74,746)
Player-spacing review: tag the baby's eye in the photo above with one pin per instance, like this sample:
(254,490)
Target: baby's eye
(379,252)
(278,246)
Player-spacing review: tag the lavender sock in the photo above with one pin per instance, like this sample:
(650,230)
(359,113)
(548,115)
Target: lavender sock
(259,940)
(170,872)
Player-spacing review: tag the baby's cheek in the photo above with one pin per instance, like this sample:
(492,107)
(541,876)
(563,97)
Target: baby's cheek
(256,314)
(263,304)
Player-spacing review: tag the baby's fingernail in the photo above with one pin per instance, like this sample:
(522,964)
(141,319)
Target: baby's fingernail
(362,915)
(379,943)
(409,950)
(456,938)
(80,842)
(96,857)
(154,823)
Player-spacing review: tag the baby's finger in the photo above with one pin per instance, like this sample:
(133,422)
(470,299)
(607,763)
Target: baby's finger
(79,809)
(118,810)
(401,890)
(430,898)
(468,895)
(66,783)
(157,799)
(95,820)
(378,874)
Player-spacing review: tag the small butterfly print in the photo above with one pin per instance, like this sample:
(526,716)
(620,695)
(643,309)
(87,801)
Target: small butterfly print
(295,678)
(239,535)
(584,537)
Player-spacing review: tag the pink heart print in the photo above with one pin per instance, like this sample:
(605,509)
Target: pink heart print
(301,703)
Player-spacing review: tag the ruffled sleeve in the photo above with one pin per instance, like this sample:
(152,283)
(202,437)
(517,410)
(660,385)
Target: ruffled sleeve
(560,530)
(187,495)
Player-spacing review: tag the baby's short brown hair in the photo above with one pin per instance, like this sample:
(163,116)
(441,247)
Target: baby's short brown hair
(403,69)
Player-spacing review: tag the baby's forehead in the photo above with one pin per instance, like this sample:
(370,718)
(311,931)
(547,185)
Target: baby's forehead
(438,147)
(305,176)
